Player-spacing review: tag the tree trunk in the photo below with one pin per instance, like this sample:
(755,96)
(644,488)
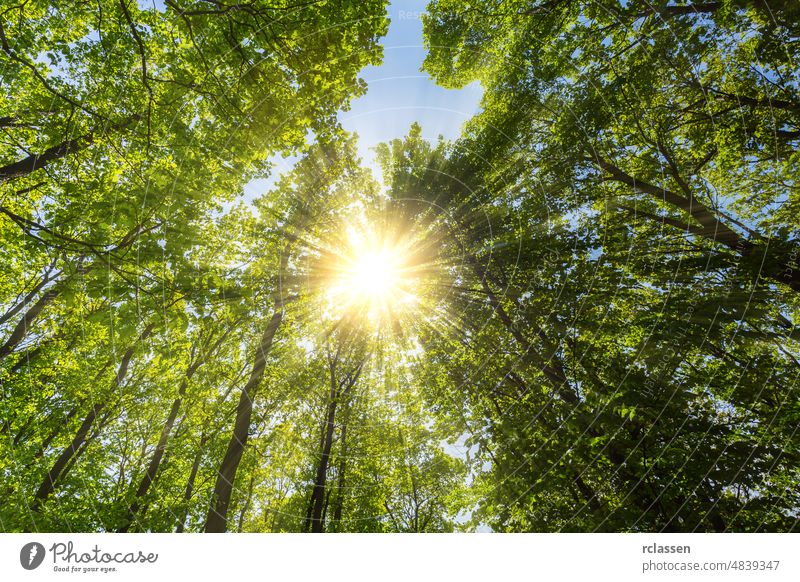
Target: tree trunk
(48,485)
(46,278)
(189,491)
(339,389)
(158,454)
(246,505)
(59,468)
(21,329)
(25,358)
(554,372)
(166,431)
(217,519)
(318,494)
(340,482)
(549,363)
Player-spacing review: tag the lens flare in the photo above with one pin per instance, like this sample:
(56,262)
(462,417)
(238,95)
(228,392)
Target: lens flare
(374,278)
(375,275)
(384,271)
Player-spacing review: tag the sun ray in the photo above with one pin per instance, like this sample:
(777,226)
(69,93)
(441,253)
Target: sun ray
(375,278)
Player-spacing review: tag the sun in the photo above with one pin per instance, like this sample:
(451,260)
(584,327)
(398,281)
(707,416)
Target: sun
(374,275)
(373,278)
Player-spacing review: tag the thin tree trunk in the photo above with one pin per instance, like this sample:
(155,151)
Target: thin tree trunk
(217,519)
(337,510)
(549,363)
(46,442)
(588,493)
(318,495)
(189,491)
(48,485)
(46,278)
(59,468)
(325,506)
(413,521)
(204,438)
(25,358)
(166,431)
(568,395)
(34,162)
(315,520)
(246,505)
(21,329)
(54,433)
(158,454)
(21,435)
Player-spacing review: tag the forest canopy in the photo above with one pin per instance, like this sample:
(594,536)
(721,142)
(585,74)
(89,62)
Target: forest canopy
(578,315)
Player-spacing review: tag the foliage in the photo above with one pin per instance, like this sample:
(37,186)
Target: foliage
(593,324)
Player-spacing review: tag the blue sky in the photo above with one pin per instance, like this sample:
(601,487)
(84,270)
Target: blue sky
(398,94)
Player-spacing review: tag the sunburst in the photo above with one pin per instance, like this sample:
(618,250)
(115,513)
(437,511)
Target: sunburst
(376,277)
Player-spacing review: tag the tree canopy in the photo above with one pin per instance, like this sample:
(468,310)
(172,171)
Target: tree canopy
(579,315)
